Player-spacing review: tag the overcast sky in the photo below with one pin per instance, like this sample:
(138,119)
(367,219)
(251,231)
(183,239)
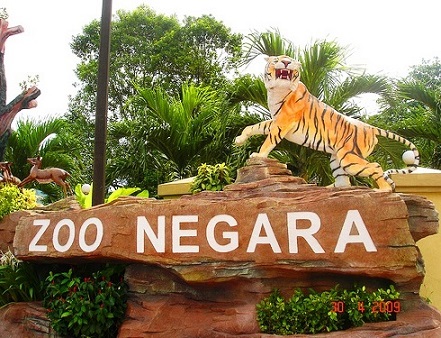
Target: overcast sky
(384,36)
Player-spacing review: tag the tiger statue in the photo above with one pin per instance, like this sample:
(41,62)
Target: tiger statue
(301,118)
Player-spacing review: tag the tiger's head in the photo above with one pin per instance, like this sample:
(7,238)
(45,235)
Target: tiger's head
(282,73)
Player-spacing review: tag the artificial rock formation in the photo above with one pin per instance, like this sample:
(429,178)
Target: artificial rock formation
(197,266)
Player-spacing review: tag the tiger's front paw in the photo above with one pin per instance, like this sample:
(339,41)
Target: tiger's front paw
(240,140)
(257,155)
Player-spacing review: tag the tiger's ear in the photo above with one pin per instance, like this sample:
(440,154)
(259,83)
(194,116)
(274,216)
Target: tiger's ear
(266,58)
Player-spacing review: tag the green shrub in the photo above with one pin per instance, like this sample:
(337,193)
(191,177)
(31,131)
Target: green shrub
(326,311)
(91,306)
(13,199)
(19,281)
(211,178)
(85,200)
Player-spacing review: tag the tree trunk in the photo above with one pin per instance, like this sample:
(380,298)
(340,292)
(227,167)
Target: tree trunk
(25,100)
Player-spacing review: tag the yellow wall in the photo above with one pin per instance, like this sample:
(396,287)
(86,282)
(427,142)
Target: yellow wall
(175,189)
(426,184)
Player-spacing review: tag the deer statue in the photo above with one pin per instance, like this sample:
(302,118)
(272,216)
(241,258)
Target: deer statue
(8,178)
(48,175)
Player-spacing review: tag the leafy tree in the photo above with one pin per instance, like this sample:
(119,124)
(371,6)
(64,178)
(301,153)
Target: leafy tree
(155,50)
(429,73)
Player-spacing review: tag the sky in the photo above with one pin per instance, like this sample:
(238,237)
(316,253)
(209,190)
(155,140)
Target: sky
(385,37)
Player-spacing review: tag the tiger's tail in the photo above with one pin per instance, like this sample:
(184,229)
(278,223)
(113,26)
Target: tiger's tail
(410,167)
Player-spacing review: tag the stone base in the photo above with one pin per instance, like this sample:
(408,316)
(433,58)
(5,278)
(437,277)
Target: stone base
(184,315)
(163,305)
(25,320)
(258,169)
(192,280)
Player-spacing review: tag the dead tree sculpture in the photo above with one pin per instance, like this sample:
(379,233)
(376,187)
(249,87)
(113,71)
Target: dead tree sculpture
(48,175)
(8,178)
(25,100)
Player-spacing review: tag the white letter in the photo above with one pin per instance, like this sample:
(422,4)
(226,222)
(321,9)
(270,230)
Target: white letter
(71,226)
(270,238)
(99,234)
(307,234)
(44,225)
(234,239)
(354,217)
(178,233)
(143,226)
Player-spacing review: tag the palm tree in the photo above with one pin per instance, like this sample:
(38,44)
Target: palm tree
(171,135)
(413,109)
(425,120)
(45,139)
(327,77)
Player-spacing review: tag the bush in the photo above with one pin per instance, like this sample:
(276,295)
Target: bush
(85,200)
(326,311)
(13,199)
(19,281)
(91,306)
(211,178)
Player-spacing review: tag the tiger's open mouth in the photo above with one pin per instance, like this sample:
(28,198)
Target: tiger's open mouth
(285,74)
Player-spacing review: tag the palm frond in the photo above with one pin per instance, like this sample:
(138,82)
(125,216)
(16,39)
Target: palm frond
(267,43)
(415,90)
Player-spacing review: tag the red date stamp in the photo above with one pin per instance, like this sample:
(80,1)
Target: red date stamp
(390,306)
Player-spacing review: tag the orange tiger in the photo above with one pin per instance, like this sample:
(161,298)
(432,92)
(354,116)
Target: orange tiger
(301,118)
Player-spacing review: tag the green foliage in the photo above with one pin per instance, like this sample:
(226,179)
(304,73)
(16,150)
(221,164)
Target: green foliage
(91,306)
(211,177)
(413,110)
(19,281)
(85,200)
(49,139)
(181,131)
(126,192)
(326,311)
(153,51)
(13,199)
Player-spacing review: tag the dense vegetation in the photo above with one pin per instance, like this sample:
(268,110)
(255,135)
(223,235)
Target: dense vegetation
(320,312)
(178,97)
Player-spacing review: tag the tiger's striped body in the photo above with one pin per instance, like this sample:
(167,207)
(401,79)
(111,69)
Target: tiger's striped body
(301,118)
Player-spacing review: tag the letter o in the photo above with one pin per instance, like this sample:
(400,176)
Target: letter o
(70,240)
(99,234)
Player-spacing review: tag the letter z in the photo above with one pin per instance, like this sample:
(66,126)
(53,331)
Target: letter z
(44,223)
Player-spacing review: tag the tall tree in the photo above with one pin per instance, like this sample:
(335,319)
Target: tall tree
(156,50)
(151,51)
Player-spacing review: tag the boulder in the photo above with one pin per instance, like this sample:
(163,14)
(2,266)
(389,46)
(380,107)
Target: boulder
(197,266)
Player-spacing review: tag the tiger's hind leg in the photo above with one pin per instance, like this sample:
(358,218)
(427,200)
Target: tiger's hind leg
(261,128)
(355,165)
(341,178)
